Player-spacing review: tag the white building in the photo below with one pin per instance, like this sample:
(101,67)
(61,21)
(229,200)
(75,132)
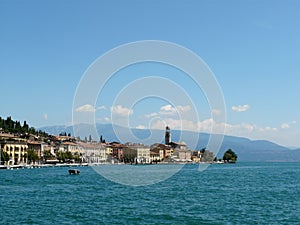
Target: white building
(93,152)
(142,152)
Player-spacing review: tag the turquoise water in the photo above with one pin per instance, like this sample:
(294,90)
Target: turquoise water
(242,193)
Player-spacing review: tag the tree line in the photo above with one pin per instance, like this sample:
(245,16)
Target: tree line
(10,126)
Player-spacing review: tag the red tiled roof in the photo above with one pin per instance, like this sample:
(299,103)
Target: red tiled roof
(34,142)
(6,135)
(69,143)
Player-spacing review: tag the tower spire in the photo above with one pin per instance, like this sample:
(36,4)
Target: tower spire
(167,136)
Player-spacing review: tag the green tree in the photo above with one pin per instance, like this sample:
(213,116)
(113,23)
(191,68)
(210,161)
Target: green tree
(77,157)
(32,130)
(32,156)
(48,155)
(230,156)
(63,134)
(69,155)
(4,157)
(203,150)
(129,155)
(18,127)
(64,156)
(25,126)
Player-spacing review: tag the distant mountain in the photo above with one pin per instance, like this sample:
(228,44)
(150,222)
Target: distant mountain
(246,149)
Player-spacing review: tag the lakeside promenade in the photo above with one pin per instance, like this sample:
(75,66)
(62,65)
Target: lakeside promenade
(12,167)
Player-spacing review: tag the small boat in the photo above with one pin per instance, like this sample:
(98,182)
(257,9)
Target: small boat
(74,171)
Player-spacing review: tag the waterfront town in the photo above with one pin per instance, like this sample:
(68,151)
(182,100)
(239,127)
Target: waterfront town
(34,148)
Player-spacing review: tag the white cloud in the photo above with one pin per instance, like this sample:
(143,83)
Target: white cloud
(182,109)
(216,112)
(209,125)
(45,116)
(103,119)
(205,125)
(170,111)
(285,126)
(240,108)
(267,129)
(151,115)
(247,130)
(249,127)
(174,124)
(271,129)
(142,127)
(121,111)
(185,108)
(243,129)
(167,108)
(85,108)
(102,107)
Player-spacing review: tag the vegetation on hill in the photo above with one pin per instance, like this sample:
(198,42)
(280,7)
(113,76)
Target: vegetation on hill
(230,156)
(10,126)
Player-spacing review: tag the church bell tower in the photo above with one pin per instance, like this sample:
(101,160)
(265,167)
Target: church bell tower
(168,136)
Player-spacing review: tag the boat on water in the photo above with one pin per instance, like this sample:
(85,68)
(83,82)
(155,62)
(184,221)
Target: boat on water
(74,171)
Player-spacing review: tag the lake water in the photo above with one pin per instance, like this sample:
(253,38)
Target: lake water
(242,193)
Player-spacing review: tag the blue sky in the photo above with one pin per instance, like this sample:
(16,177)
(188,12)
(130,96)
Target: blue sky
(252,47)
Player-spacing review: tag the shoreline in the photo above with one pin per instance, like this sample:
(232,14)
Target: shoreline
(12,167)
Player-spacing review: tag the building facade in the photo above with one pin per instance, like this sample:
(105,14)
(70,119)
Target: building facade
(16,149)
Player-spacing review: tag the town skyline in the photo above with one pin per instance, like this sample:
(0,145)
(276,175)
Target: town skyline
(252,49)
(22,146)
